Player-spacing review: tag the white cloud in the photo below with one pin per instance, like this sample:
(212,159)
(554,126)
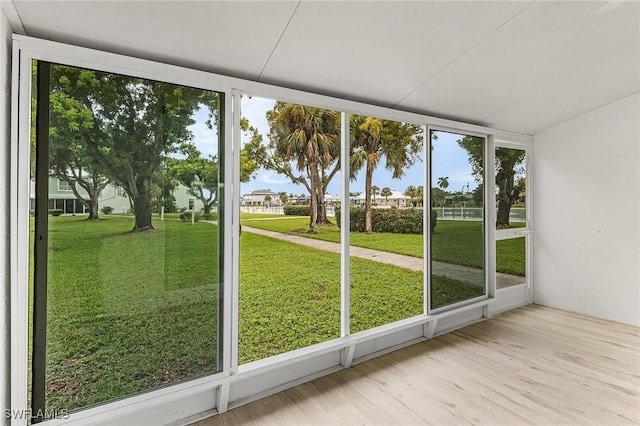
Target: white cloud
(272,179)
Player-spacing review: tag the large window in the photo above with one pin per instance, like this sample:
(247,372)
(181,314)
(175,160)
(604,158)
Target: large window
(512,228)
(124,302)
(342,234)
(386,221)
(289,295)
(457,202)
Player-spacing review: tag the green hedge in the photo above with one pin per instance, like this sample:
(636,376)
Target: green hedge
(394,220)
(56,212)
(294,210)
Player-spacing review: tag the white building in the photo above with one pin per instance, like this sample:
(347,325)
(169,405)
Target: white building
(261,198)
(61,197)
(396,199)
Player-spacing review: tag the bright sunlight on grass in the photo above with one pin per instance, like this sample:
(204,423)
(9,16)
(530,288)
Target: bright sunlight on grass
(453,242)
(129,312)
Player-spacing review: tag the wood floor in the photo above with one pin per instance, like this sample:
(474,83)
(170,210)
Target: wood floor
(533,365)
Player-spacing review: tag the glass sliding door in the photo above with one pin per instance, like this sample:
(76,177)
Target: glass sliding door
(127,288)
(289,272)
(458,211)
(511,262)
(386,221)
(512,226)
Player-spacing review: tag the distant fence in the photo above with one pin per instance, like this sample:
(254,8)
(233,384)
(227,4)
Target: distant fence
(261,209)
(474,213)
(445,213)
(275,210)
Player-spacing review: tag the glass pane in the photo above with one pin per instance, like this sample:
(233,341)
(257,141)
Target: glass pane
(511,262)
(386,222)
(133,254)
(511,183)
(457,196)
(289,294)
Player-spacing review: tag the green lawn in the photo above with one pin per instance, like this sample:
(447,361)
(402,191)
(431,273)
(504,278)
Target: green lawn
(259,215)
(457,242)
(214,215)
(290,295)
(127,312)
(132,311)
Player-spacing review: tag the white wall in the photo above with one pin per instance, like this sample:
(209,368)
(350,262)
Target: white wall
(587,213)
(5,279)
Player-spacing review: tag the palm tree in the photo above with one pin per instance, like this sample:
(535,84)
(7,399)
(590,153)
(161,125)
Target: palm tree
(375,191)
(386,192)
(443,182)
(311,138)
(420,195)
(371,140)
(411,193)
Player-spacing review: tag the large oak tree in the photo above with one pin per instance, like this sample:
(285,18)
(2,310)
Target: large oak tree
(69,158)
(136,124)
(508,162)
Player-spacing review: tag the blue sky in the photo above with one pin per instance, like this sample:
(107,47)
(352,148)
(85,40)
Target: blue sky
(449,159)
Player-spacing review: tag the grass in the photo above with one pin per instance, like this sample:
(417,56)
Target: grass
(260,215)
(129,312)
(457,242)
(214,215)
(290,295)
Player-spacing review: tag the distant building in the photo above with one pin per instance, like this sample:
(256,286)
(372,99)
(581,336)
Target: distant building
(331,199)
(61,197)
(261,197)
(396,199)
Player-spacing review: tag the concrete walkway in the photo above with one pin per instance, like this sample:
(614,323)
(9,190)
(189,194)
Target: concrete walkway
(458,272)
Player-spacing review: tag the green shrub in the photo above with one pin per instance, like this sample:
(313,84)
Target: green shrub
(210,216)
(106,210)
(56,212)
(294,210)
(394,220)
(186,217)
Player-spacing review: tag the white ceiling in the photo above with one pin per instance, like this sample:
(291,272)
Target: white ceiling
(520,66)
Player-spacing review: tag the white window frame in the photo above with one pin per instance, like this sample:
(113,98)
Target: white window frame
(527,231)
(217,385)
(489,218)
(25,50)
(60,189)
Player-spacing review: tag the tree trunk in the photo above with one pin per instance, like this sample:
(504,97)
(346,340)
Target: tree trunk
(315,180)
(93,209)
(92,205)
(367,198)
(502,218)
(142,211)
(207,208)
(322,208)
(504,180)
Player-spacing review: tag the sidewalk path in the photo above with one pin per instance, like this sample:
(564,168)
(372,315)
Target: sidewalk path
(458,272)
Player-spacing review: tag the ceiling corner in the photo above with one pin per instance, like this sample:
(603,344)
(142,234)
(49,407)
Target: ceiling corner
(13,17)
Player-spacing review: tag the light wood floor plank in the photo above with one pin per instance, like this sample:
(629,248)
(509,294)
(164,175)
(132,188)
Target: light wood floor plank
(533,365)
